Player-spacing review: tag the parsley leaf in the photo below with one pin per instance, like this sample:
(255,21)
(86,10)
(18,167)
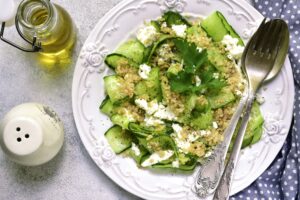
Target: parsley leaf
(195,63)
(192,58)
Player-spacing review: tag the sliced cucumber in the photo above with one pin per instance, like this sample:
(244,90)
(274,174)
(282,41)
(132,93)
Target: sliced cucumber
(163,142)
(138,158)
(257,135)
(203,121)
(144,131)
(216,26)
(221,99)
(150,87)
(121,120)
(256,118)
(107,106)
(218,60)
(133,50)
(114,88)
(174,18)
(114,60)
(119,139)
(159,42)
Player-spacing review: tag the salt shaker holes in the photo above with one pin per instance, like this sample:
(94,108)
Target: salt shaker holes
(19,139)
(26,135)
(18,129)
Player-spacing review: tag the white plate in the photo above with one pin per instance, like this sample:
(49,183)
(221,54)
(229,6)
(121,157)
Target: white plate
(88,92)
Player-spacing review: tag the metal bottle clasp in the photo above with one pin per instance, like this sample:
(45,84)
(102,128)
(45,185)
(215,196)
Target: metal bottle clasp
(36,46)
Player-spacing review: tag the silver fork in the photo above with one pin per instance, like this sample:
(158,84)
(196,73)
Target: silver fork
(258,62)
(211,171)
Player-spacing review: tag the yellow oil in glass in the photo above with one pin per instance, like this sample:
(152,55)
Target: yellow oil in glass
(57,42)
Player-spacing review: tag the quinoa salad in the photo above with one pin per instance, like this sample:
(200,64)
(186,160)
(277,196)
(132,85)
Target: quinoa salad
(175,88)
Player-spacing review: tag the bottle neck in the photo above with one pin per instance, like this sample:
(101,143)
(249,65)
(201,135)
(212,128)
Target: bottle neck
(37,18)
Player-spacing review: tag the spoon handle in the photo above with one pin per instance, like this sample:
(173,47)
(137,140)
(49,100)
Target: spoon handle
(210,172)
(223,189)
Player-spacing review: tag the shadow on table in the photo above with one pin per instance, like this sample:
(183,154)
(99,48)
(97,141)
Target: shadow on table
(36,174)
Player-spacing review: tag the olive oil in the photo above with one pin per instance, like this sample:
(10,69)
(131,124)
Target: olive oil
(53,28)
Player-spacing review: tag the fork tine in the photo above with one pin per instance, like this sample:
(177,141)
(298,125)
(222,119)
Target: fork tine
(274,36)
(283,32)
(263,40)
(253,42)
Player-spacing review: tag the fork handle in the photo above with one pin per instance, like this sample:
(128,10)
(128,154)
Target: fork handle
(223,189)
(210,172)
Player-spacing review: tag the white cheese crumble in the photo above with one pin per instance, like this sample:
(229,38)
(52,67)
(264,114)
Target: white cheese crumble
(182,145)
(157,110)
(152,121)
(175,164)
(147,35)
(260,99)
(193,136)
(215,125)
(239,93)
(135,149)
(179,30)
(144,71)
(216,75)
(157,157)
(164,113)
(150,107)
(199,49)
(204,132)
(198,81)
(207,154)
(231,45)
(177,129)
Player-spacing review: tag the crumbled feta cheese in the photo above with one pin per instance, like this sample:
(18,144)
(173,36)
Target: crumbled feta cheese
(179,30)
(147,35)
(207,154)
(135,149)
(215,125)
(216,75)
(198,81)
(177,129)
(175,164)
(152,121)
(165,113)
(235,50)
(193,136)
(157,157)
(199,49)
(157,110)
(238,92)
(204,132)
(182,144)
(150,107)
(260,99)
(144,71)
(142,103)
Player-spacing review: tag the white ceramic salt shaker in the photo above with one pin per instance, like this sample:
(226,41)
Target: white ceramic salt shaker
(31,134)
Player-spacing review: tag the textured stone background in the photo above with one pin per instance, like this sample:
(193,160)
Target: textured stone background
(71,174)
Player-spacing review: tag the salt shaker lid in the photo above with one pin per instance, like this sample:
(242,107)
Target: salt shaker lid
(31,134)
(22,136)
(8,10)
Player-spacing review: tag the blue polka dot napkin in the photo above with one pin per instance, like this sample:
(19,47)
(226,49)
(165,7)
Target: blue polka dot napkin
(282,179)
